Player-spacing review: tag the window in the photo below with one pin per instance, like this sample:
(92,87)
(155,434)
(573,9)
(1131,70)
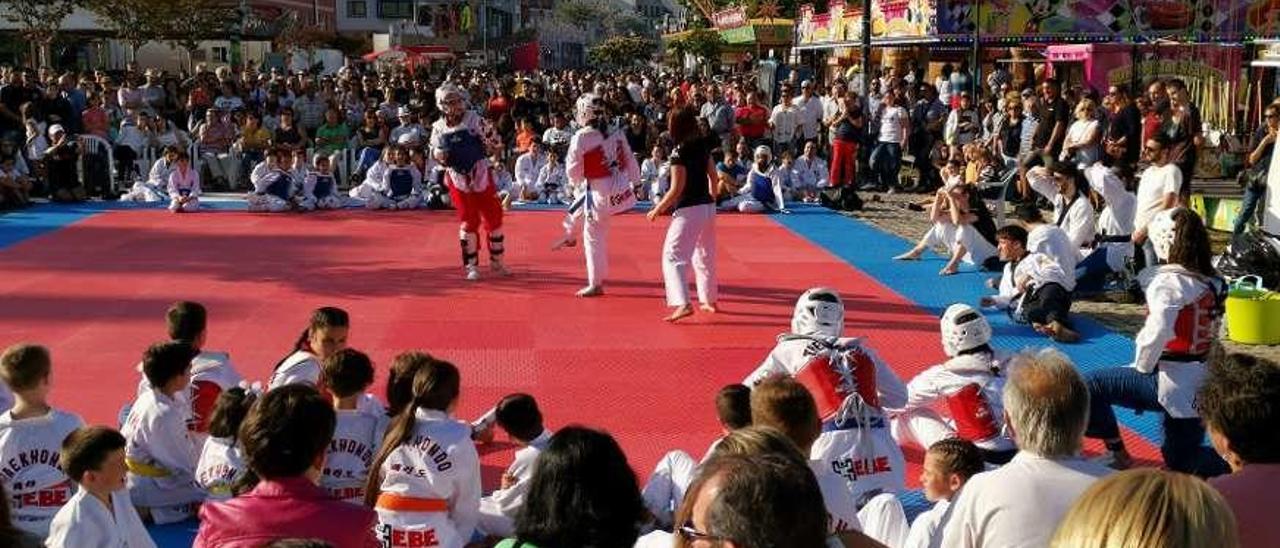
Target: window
(221,54)
(357,9)
(395,9)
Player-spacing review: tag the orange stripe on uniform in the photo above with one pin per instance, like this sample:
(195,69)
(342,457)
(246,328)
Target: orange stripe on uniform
(401,503)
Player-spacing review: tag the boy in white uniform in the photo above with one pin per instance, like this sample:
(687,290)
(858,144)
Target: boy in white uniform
(948,465)
(184,185)
(968,386)
(763,190)
(156,187)
(528,165)
(552,183)
(399,186)
(320,187)
(851,385)
(31,434)
(162,453)
(359,429)
(99,514)
(519,416)
(812,172)
(655,174)
(272,186)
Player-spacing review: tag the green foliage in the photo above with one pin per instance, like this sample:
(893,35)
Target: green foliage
(135,22)
(621,51)
(701,43)
(39,20)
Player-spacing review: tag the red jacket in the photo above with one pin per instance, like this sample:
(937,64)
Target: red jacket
(286,508)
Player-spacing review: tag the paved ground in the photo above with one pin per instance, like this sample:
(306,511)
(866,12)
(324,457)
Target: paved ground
(889,212)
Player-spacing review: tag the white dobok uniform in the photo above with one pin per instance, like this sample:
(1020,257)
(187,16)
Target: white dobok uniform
(155,188)
(1074,216)
(396,187)
(498,509)
(1183,317)
(858,448)
(438,470)
(31,471)
(162,455)
(220,466)
(320,191)
(184,185)
(960,397)
(272,189)
(603,165)
(811,173)
(85,522)
(301,367)
(528,165)
(356,439)
(212,373)
(1116,220)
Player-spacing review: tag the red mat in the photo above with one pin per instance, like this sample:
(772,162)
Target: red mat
(96,291)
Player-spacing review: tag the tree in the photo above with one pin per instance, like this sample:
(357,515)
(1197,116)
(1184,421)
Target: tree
(703,44)
(39,21)
(135,22)
(621,51)
(187,22)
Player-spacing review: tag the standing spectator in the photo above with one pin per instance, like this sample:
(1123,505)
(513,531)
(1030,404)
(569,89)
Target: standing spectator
(964,124)
(1008,139)
(1080,147)
(12,95)
(784,122)
(886,159)
(1158,190)
(1124,131)
(810,109)
(1184,129)
(1055,116)
(1258,166)
(691,234)
(285,438)
(943,84)
(961,81)
(1028,155)
(1240,403)
(718,114)
(752,121)
(847,131)
(928,116)
(1022,503)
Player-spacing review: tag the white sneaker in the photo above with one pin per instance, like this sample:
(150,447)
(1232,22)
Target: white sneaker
(473,273)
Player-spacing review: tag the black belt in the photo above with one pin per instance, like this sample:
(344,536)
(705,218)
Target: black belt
(1112,239)
(1183,358)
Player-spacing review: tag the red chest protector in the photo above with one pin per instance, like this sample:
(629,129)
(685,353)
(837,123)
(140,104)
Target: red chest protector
(823,375)
(972,413)
(595,165)
(1197,325)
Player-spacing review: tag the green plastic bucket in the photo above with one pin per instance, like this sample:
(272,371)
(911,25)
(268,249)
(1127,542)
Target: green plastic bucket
(1253,312)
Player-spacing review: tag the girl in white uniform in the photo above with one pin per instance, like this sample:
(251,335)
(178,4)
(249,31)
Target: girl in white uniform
(221,465)
(552,183)
(161,453)
(320,187)
(425,481)
(31,434)
(968,385)
(359,429)
(398,186)
(184,186)
(324,336)
(272,185)
(655,175)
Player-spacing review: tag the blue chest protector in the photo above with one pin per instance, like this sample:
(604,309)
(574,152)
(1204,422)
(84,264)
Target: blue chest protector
(324,186)
(399,183)
(761,188)
(464,149)
(281,186)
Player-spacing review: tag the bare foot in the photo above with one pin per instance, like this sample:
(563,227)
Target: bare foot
(1061,333)
(709,308)
(591,291)
(913,255)
(948,270)
(679,313)
(567,241)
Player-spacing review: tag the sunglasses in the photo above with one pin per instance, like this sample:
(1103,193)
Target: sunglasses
(690,533)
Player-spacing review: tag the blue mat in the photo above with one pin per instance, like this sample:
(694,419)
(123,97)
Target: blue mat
(870,250)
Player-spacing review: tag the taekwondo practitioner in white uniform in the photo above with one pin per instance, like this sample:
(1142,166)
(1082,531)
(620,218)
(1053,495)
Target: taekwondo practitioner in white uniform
(968,386)
(320,188)
(1112,247)
(528,166)
(398,185)
(461,141)
(156,187)
(184,186)
(851,385)
(31,474)
(811,172)
(498,509)
(366,189)
(1072,210)
(600,162)
(161,452)
(220,466)
(762,192)
(356,437)
(272,186)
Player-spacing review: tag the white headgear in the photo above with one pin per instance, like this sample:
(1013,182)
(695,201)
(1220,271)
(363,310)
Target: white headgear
(588,108)
(819,312)
(445,93)
(764,150)
(1161,232)
(963,328)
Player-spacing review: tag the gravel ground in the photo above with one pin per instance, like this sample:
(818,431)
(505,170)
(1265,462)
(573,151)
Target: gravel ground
(889,212)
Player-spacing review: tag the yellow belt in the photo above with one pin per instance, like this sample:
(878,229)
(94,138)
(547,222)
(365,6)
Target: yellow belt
(146,470)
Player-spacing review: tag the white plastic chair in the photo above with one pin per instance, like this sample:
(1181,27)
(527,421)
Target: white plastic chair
(94,145)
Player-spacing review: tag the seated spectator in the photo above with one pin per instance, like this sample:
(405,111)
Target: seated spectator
(94,118)
(60,159)
(1033,287)
(731,174)
(588,467)
(726,503)
(398,185)
(214,139)
(1184,312)
(1021,503)
(948,465)
(552,183)
(369,141)
(1148,507)
(288,135)
(528,165)
(15,188)
(1240,404)
(1065,187)
(519,416)
(156,187)
(968,386)
(319,188)
(184,185)
(1111,248)
(655,175)
(958,227)
(272,185)
(409,133)
(666,486)
(253,142)
(285,438)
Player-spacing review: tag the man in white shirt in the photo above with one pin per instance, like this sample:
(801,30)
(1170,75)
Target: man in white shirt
(1021,504)
(809,107)
(784,121)
(1157,191)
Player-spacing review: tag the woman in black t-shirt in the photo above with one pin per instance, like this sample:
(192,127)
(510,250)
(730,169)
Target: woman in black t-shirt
(691,236)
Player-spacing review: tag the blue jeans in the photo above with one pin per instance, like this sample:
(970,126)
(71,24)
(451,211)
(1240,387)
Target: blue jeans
(1091,273)
(1252,195)
(886,160)
(1182,449)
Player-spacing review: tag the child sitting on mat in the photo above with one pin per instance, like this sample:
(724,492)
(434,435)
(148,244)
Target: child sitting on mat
(221,466)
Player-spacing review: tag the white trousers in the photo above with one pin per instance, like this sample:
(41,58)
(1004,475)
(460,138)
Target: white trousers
(223,164)
(191,206)
(143,191)
(266,202)
(665,489)
(883,519)
(595,245)
(921,426)
(947,235)
(691,236)
(381,201)
(333,201)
